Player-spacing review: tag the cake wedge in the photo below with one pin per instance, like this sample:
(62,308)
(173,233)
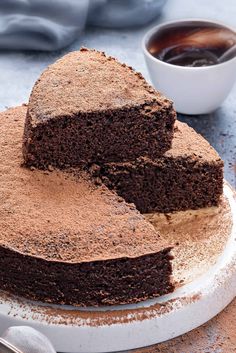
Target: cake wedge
(88,108)
(187,176)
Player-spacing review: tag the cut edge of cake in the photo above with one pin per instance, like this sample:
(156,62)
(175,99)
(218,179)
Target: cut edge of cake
(188,176)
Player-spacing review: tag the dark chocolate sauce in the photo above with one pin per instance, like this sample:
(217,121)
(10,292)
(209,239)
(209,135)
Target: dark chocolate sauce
(191,44)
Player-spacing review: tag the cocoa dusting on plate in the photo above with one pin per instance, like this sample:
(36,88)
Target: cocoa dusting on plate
(217,335)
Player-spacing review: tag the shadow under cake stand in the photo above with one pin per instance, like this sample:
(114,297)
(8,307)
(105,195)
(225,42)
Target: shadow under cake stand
(204,270)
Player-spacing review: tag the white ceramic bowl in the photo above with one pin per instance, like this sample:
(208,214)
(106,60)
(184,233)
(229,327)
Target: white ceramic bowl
(194,90)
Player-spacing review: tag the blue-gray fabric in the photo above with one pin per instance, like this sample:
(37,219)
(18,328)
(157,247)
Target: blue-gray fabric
(54,24)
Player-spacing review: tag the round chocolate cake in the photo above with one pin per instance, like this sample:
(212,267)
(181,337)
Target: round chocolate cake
(99,147)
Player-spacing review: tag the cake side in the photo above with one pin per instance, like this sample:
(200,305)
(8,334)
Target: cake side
(188,176)
(110,282)
(88,108)
(64,240)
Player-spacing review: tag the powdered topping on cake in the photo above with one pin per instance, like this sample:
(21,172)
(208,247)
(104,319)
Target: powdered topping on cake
(88,81)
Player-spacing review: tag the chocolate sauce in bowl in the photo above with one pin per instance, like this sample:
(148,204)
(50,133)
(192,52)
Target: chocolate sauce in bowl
(192,44)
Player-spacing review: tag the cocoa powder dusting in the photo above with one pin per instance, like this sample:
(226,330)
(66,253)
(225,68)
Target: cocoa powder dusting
(66,87)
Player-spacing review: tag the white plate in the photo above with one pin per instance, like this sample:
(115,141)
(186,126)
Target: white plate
(118,328)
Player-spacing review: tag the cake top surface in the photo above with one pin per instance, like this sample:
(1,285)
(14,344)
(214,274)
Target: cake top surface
(89,81)
(188,143)
(61,217)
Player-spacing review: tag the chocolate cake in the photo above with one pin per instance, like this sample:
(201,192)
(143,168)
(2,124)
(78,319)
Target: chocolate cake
(65,240)
(188,176)
(89,108)
(99,147)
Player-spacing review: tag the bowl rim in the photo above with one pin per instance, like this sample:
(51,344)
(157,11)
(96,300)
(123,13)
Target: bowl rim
(156,28)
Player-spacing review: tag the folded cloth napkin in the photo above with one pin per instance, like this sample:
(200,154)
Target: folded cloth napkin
(54,24)
(123,13)
(41,24)
(27,340)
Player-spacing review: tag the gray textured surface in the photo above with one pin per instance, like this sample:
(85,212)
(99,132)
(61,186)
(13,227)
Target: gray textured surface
(18,70)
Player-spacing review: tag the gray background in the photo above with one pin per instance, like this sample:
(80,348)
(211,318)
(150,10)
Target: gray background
(19,70)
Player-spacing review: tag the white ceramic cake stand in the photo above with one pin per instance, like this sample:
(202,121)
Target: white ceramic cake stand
(128,327)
